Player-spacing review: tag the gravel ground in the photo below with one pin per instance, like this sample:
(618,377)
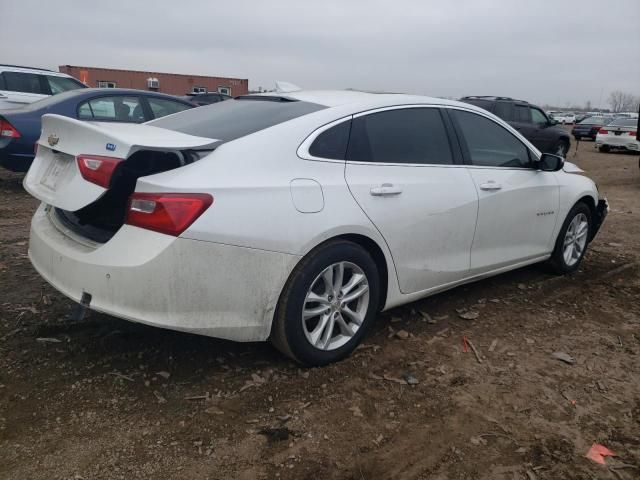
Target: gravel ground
(102,398)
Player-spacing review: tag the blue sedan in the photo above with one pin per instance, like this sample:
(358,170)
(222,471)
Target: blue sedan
(20,128)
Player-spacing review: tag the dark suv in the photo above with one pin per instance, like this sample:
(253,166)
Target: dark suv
(529,120)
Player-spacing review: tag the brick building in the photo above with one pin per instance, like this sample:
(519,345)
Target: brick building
(171,83)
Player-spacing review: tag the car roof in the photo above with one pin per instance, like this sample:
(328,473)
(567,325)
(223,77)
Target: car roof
(116,91)
(362,99)
(21,69)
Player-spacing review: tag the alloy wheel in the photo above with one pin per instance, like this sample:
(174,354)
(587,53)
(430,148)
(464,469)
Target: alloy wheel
(575,239)
(335,306)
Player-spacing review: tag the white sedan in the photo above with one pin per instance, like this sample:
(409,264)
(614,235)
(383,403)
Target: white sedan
(620,134)
(297,217)
(565,118)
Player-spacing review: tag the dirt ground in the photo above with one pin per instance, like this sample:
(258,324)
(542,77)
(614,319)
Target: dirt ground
(102,398)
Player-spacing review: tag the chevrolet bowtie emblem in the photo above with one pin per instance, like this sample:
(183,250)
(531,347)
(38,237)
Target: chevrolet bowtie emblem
(53,140)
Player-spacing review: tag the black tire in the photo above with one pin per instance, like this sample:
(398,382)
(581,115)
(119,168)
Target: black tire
(287,331)
(561,148)
(604,149)
(557,261)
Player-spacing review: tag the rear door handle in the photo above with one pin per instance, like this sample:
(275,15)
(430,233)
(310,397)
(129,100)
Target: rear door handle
(385,190)
(491,185)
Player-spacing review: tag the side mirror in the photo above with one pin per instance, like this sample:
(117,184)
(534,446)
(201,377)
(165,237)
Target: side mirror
(550,163)
(553,121)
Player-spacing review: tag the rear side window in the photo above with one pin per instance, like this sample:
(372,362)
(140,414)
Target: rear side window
(522,114)
(332,143)
(504,110)
(23,82)
(236,118)
(112,109)
(486,104)
(489,144)
(162,107)
(412,135)
(62,84)
(2,85)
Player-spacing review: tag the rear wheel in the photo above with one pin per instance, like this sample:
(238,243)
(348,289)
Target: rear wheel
(328,304)
(572,241)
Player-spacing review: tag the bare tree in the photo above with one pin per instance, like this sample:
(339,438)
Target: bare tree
(623,101)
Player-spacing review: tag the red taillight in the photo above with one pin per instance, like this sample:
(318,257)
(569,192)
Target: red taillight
(8,130)
(97,169)
(169,213)
(603,131)
(633,134)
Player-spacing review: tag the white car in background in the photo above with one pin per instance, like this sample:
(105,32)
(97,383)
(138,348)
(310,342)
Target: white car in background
(20,86)
(564,118)
(620,134)
(297,217)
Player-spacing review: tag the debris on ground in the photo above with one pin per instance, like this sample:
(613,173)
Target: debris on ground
(598,452)
(469,315)
(563,357)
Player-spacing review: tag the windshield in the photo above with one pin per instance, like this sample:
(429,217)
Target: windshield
(236,118)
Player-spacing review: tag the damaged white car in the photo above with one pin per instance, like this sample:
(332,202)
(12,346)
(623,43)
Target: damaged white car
(297,217)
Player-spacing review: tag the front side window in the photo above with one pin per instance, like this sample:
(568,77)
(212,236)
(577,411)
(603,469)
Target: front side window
(22,82)
(162,107)
(538,117)
(332,143)
(62,84)
(112,109)
(411,135)
(490,144)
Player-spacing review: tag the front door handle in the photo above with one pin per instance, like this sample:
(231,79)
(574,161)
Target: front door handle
(385,190)
(490,185)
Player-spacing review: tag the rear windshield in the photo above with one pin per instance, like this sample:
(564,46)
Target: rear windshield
(624,122)
(236,118)
(593,121)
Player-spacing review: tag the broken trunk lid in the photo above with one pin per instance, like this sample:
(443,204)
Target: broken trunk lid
(55,178)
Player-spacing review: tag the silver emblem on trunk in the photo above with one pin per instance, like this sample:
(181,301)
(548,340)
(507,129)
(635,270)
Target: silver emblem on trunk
(53,140)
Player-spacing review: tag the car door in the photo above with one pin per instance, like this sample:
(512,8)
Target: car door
(113,108)
(518,204)
(403,171)
(21,88)
(542,137)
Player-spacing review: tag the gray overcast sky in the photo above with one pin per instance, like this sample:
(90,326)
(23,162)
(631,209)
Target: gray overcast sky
(545,51)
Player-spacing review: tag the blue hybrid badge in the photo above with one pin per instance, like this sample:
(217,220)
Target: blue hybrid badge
(111,147)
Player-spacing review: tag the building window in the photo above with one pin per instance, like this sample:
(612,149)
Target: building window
(106,84)
(224,90)
(199,90)
(153,83)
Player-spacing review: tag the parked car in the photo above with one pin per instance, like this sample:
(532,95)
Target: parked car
(618,135)
(20,128)
(529,120)
(201,99)
(564,118)
(20,86)
(588,128)
(297,217)
(580,117)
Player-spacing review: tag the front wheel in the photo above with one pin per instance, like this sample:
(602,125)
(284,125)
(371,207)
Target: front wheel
(328,304)
(572,241)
